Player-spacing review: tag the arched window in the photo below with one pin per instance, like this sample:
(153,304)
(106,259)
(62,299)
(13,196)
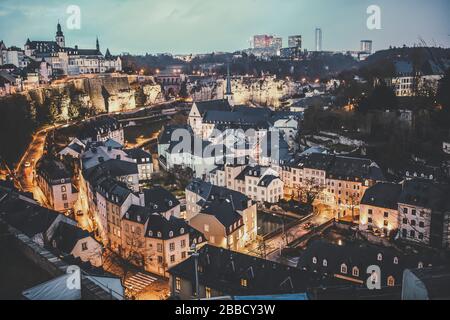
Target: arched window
(391,281)
(170,234)
(159,235)
(314,260)
(380,257)
(150,233)
(325,262)
(420,265)
(395,260)
(355,272)
(343,268)
(182,231)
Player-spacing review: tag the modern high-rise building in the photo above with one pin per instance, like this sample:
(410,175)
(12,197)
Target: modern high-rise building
(295,42)
(318,39)
(262,41)
(267,41)
(366,46)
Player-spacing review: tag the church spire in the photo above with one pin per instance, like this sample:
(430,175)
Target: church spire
(228,92)
(97,45)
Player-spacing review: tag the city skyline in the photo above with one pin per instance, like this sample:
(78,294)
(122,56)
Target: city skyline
(179,27)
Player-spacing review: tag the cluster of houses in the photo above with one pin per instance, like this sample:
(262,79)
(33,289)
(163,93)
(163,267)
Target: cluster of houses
(41,61)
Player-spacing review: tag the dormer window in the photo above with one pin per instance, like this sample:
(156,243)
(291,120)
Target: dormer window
(325,263)
(182,231)
(150,233)
(355,272)
(380,257)
(344,268)
(171,234)
(244,283)
(314,260)
(420,265)
(159,235)
(395,260)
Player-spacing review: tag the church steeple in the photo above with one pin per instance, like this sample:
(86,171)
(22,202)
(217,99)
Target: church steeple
(60,40)
(228,91)
(97,45)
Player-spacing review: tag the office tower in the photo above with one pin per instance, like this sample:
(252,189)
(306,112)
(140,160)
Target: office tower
(318,39)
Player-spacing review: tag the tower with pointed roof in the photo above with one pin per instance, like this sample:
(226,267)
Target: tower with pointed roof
(228,91)
(60,39)
(97,45)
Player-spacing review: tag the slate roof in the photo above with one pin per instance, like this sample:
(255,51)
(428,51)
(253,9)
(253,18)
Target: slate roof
(100,125)
(360,255)
(29,218)
(223,270)
(52,169)
(210,192)
(112,168)
(211,105)
(158,226)
(113,190)
(426,194)
(139,154)
(346,168)
(66,236)
(267,180)
(383,195)
(159,199)
(224,212)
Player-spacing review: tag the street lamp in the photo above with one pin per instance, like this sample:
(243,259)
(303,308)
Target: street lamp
(194,253)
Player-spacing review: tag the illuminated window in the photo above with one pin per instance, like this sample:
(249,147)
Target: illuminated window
(244,283)
(177,284)
(343,268)
(208,292)
(391,281)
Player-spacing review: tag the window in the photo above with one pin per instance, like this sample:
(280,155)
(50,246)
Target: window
(325,263)
(159,247)
(412,234)
(391,281)
(355,272)
(386,214)
(172,258)
(63,189)
(183,243)
(206,228)
(314,260)
(64,197)
(420,265)
(395,260)
(244,283)
(171,234)
(380,257)
(177,284)
(208,292)
(369,211)
(84,246)
(183,255)
(405,221)
(421,224)
(172,246)
(343,268)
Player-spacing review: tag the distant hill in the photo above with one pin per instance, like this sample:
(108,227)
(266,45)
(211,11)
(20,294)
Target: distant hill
(429,60)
